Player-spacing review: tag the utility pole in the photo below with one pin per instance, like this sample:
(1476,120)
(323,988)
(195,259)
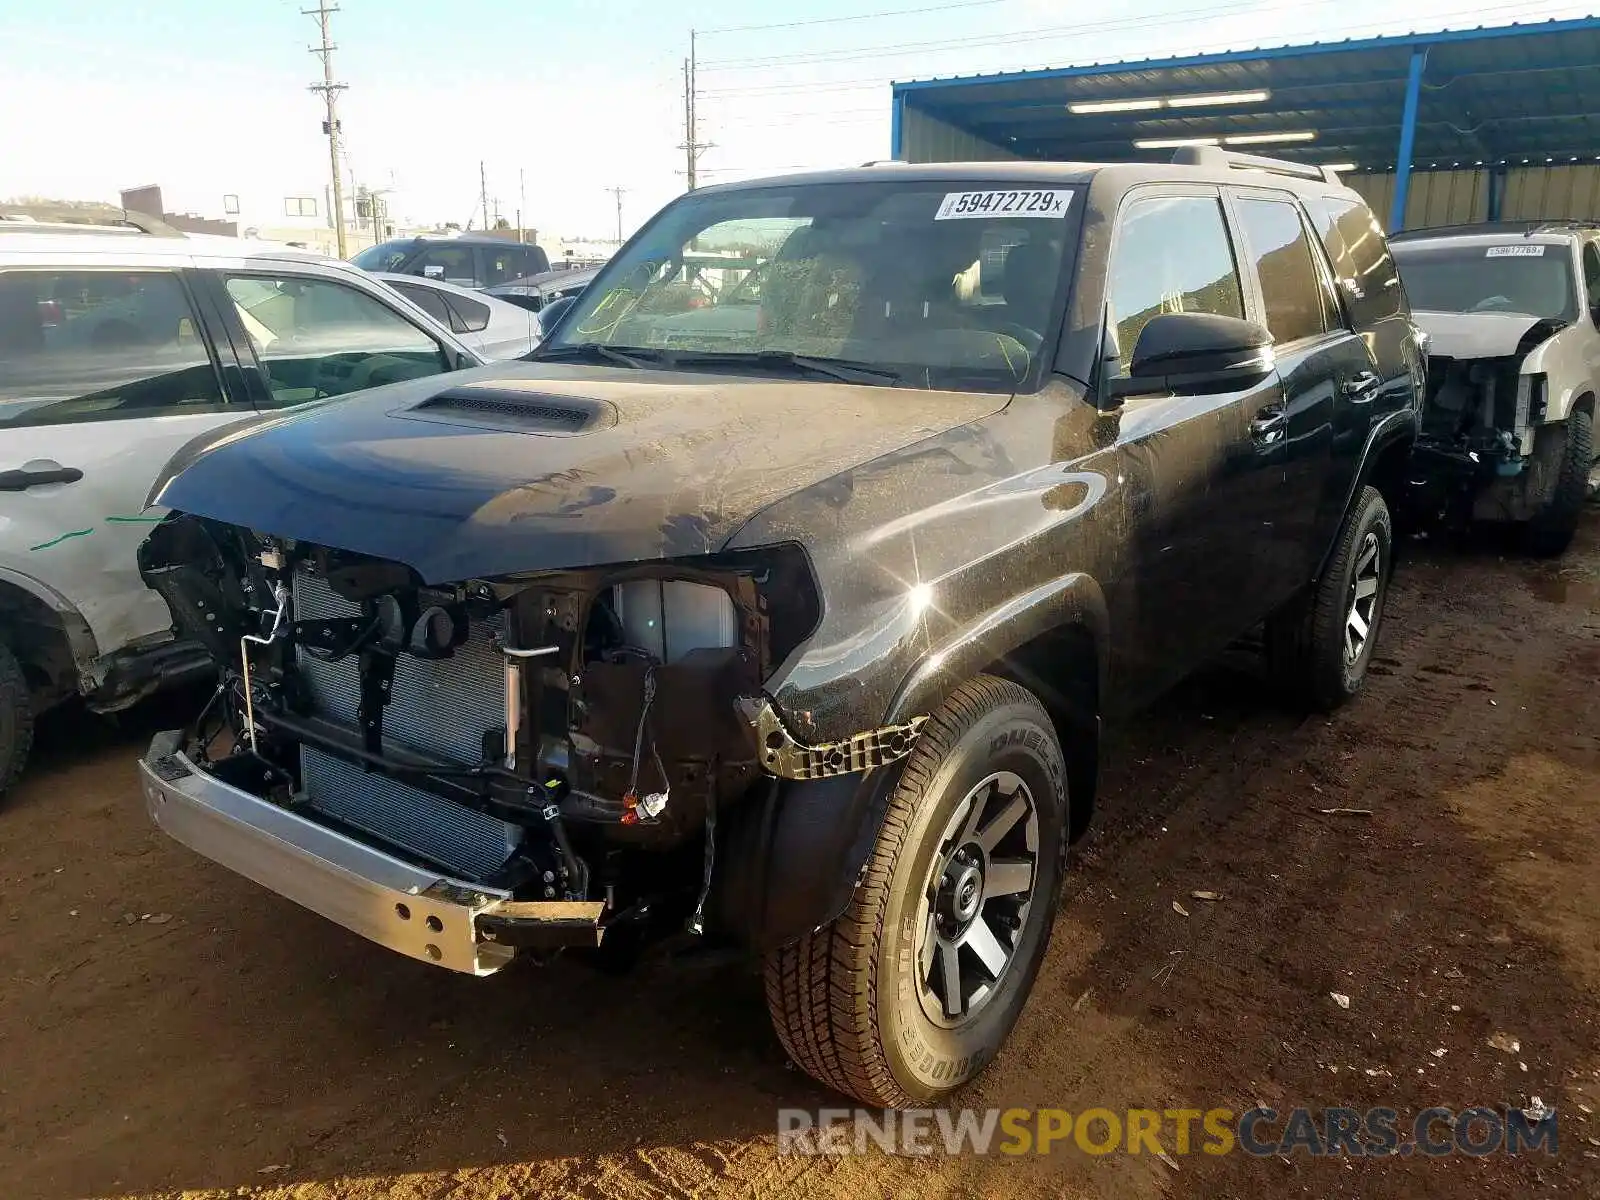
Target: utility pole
(618,192)
(692,146)
(330,95)
(483,194)
(522,200)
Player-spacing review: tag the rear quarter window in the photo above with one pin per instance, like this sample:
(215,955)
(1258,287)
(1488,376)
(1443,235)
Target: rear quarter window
(469,315)
(1361,260)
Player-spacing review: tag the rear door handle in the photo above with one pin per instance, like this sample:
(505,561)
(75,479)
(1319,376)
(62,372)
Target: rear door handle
(1361,386)
(21,481)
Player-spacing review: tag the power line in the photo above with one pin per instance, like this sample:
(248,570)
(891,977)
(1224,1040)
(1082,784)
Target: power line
(770,170)
(1044,33)
(811,116)
(330,95)
(1513,11)
(900,12)
(782,89)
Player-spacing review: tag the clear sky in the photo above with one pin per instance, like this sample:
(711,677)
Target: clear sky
(208,97)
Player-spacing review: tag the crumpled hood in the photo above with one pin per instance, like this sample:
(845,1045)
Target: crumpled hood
(1477,335)
(665,464)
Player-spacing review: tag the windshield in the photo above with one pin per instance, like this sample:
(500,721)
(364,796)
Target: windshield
(385,256)
(1530,278)
(940,285)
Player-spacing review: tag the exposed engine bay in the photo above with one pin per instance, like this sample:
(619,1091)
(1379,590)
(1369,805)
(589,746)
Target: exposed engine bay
(1480,420)
(562,736)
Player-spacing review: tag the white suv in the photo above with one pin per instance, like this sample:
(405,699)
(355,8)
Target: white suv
(1512,314)
(118,345)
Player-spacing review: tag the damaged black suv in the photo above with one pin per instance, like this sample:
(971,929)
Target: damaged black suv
(778,602)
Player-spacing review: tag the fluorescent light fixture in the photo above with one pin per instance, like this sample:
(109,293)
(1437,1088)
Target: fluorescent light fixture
(1206,101)
(1173,143)
(1153,102)
(1113,106)
(1262,139)
(1340,167)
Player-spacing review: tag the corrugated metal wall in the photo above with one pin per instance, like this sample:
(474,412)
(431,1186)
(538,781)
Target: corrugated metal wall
(924,138)
(1545,192)
(1437,197)
(1458,197)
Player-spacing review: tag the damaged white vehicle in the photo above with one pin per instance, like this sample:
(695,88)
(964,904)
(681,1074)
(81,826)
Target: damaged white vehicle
(1512,315)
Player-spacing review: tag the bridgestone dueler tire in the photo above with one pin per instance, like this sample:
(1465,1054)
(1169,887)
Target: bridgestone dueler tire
(16,719)
(1305,642)
(844,999)
(1550,533)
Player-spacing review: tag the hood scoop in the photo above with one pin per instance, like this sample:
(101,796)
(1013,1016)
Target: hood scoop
(513,410)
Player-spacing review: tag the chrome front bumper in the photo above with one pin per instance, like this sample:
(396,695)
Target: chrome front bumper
(410,909)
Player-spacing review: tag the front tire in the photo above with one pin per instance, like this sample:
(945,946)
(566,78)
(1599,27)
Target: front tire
(912,990)
(16,719)
(1319,648)
(1549,533)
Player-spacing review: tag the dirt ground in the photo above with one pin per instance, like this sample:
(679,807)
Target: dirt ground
(169,1029)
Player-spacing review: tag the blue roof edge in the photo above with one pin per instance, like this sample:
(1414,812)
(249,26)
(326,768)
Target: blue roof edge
(1305,49)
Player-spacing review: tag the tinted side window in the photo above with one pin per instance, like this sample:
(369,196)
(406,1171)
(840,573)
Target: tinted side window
(1591,281)
(98,346)
(425,298)
(1355,242)
(453,264)
(316,338)
(1172,255)
(469,315)
(1280,253)
(501,265)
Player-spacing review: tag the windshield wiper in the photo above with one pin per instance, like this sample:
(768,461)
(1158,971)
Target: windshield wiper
(845,370)
(594,350)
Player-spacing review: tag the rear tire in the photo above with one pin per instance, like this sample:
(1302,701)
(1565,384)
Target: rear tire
(16,719)
(1319,648)
(1549,533)
(902,998)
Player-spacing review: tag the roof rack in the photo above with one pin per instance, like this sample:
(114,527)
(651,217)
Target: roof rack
(56,219)
(1215,156)
(1490,228)
(1567,223)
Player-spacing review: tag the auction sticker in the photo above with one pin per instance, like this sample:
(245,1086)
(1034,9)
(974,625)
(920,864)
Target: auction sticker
(959,206)
(1525,250)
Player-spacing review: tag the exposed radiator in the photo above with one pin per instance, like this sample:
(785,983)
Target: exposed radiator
(469,843)
(440,707)
(437,707)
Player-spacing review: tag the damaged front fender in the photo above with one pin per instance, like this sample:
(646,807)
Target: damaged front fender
(786,757)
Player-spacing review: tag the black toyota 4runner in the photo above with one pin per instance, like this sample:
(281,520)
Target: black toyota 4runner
(778,602)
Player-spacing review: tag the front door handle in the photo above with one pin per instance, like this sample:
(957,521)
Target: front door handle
(21,481)
(1268,423)
(1361,386)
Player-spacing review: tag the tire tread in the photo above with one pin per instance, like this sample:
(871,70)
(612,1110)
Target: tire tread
(827,1024)
(1304,642)
(1549,533)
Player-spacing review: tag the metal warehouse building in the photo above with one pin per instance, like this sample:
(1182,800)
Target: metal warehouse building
(1431,128)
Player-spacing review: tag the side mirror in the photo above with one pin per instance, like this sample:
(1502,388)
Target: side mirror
(548,317)
(1189,353)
